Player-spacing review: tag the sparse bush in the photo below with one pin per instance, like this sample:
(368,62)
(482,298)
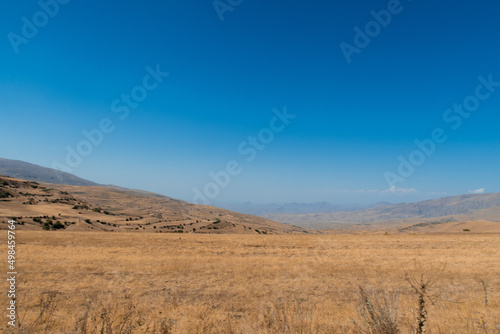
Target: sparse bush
(288,317)
(107,319)
(58,226)
(44,321)
(378,312)
(421,285)
(5,194)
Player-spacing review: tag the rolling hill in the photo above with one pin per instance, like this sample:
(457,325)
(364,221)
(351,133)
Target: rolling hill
(37,205)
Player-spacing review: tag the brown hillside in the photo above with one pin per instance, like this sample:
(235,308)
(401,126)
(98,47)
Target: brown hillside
(81,208)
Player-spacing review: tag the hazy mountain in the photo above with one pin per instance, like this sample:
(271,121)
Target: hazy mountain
(294,208)
(462,207)
(308,215)
(26,171)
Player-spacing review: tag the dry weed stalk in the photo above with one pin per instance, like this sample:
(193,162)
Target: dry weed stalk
(378,312)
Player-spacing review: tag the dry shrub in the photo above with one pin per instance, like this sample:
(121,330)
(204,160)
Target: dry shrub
(44,320)
(98,317)
(421,281)
(484,324)
(378,312)
(282,317)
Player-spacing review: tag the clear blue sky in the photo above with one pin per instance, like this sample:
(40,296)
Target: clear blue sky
(225,78)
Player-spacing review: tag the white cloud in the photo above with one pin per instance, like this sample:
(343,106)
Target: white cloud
(477,191)
(396,190)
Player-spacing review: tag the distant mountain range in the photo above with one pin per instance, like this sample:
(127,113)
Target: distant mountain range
(453,208)
(322,215)
(294,208)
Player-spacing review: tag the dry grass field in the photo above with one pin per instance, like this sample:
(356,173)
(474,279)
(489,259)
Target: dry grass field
(101,282)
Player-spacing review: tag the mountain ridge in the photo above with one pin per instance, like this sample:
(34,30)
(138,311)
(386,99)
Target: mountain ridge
(464,207)
(27,171)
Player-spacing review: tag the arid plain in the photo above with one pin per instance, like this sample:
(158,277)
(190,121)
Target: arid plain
(102,282)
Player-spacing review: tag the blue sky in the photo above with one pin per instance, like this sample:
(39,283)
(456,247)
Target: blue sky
(353,120)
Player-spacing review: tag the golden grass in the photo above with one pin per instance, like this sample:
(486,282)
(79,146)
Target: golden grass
(164,283)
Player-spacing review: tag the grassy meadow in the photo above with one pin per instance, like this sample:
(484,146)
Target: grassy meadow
(98,282)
